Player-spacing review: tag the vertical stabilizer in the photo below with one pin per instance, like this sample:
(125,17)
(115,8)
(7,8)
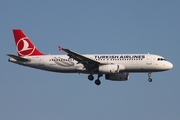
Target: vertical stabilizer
(24,46)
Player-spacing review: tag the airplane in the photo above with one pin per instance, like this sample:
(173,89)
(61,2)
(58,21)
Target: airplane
(115,67)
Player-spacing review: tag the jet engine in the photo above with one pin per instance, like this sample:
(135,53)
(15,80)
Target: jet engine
(111,68)
(118,76)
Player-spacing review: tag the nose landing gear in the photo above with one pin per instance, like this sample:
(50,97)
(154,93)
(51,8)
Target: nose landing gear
(149,77)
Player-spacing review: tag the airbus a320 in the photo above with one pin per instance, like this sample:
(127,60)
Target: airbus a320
(115,67)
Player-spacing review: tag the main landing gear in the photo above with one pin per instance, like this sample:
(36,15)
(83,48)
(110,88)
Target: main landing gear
(149,77)
(97,81)
(91,77)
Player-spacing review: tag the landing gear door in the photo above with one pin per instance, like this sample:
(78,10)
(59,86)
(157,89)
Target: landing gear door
(149,60)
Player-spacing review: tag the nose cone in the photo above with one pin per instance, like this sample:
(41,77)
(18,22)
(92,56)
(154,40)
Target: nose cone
(169,65)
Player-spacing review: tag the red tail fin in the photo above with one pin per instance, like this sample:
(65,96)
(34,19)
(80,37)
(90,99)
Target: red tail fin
(23,44)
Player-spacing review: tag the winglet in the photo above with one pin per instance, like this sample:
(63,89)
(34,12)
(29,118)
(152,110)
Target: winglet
(60,48)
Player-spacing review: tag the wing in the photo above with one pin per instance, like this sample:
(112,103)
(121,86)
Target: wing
(87,62)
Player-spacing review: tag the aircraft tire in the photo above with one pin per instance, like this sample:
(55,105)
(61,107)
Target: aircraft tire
(91,77)
(97,82)
(150,79)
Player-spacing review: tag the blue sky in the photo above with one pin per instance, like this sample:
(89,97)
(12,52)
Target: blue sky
(102,26)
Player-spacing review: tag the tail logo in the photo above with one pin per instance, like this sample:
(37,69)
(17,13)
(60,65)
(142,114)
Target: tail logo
(24,47)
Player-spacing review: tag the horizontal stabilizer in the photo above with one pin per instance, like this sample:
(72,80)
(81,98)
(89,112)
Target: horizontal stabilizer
(18,58)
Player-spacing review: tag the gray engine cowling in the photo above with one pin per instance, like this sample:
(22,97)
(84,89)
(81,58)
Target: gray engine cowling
(118,76)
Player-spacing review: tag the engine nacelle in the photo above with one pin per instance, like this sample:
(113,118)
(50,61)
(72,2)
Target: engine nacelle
(111,68)
(117,76)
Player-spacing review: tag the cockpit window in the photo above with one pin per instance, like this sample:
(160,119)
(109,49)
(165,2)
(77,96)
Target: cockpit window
(161,59)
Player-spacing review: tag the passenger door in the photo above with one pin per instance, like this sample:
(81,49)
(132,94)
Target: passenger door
(149,60)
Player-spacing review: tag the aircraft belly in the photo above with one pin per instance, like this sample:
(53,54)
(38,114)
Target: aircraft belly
(139,67)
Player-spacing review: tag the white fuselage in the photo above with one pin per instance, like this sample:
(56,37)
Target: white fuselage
(128,62)
(115,67)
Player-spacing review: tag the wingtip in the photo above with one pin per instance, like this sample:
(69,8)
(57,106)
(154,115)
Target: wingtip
(60,48)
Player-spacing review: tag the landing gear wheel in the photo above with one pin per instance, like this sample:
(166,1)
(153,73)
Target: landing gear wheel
(97,82)
(150,79)
(91,77)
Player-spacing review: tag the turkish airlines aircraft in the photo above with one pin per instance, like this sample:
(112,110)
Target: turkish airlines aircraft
(115,67)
